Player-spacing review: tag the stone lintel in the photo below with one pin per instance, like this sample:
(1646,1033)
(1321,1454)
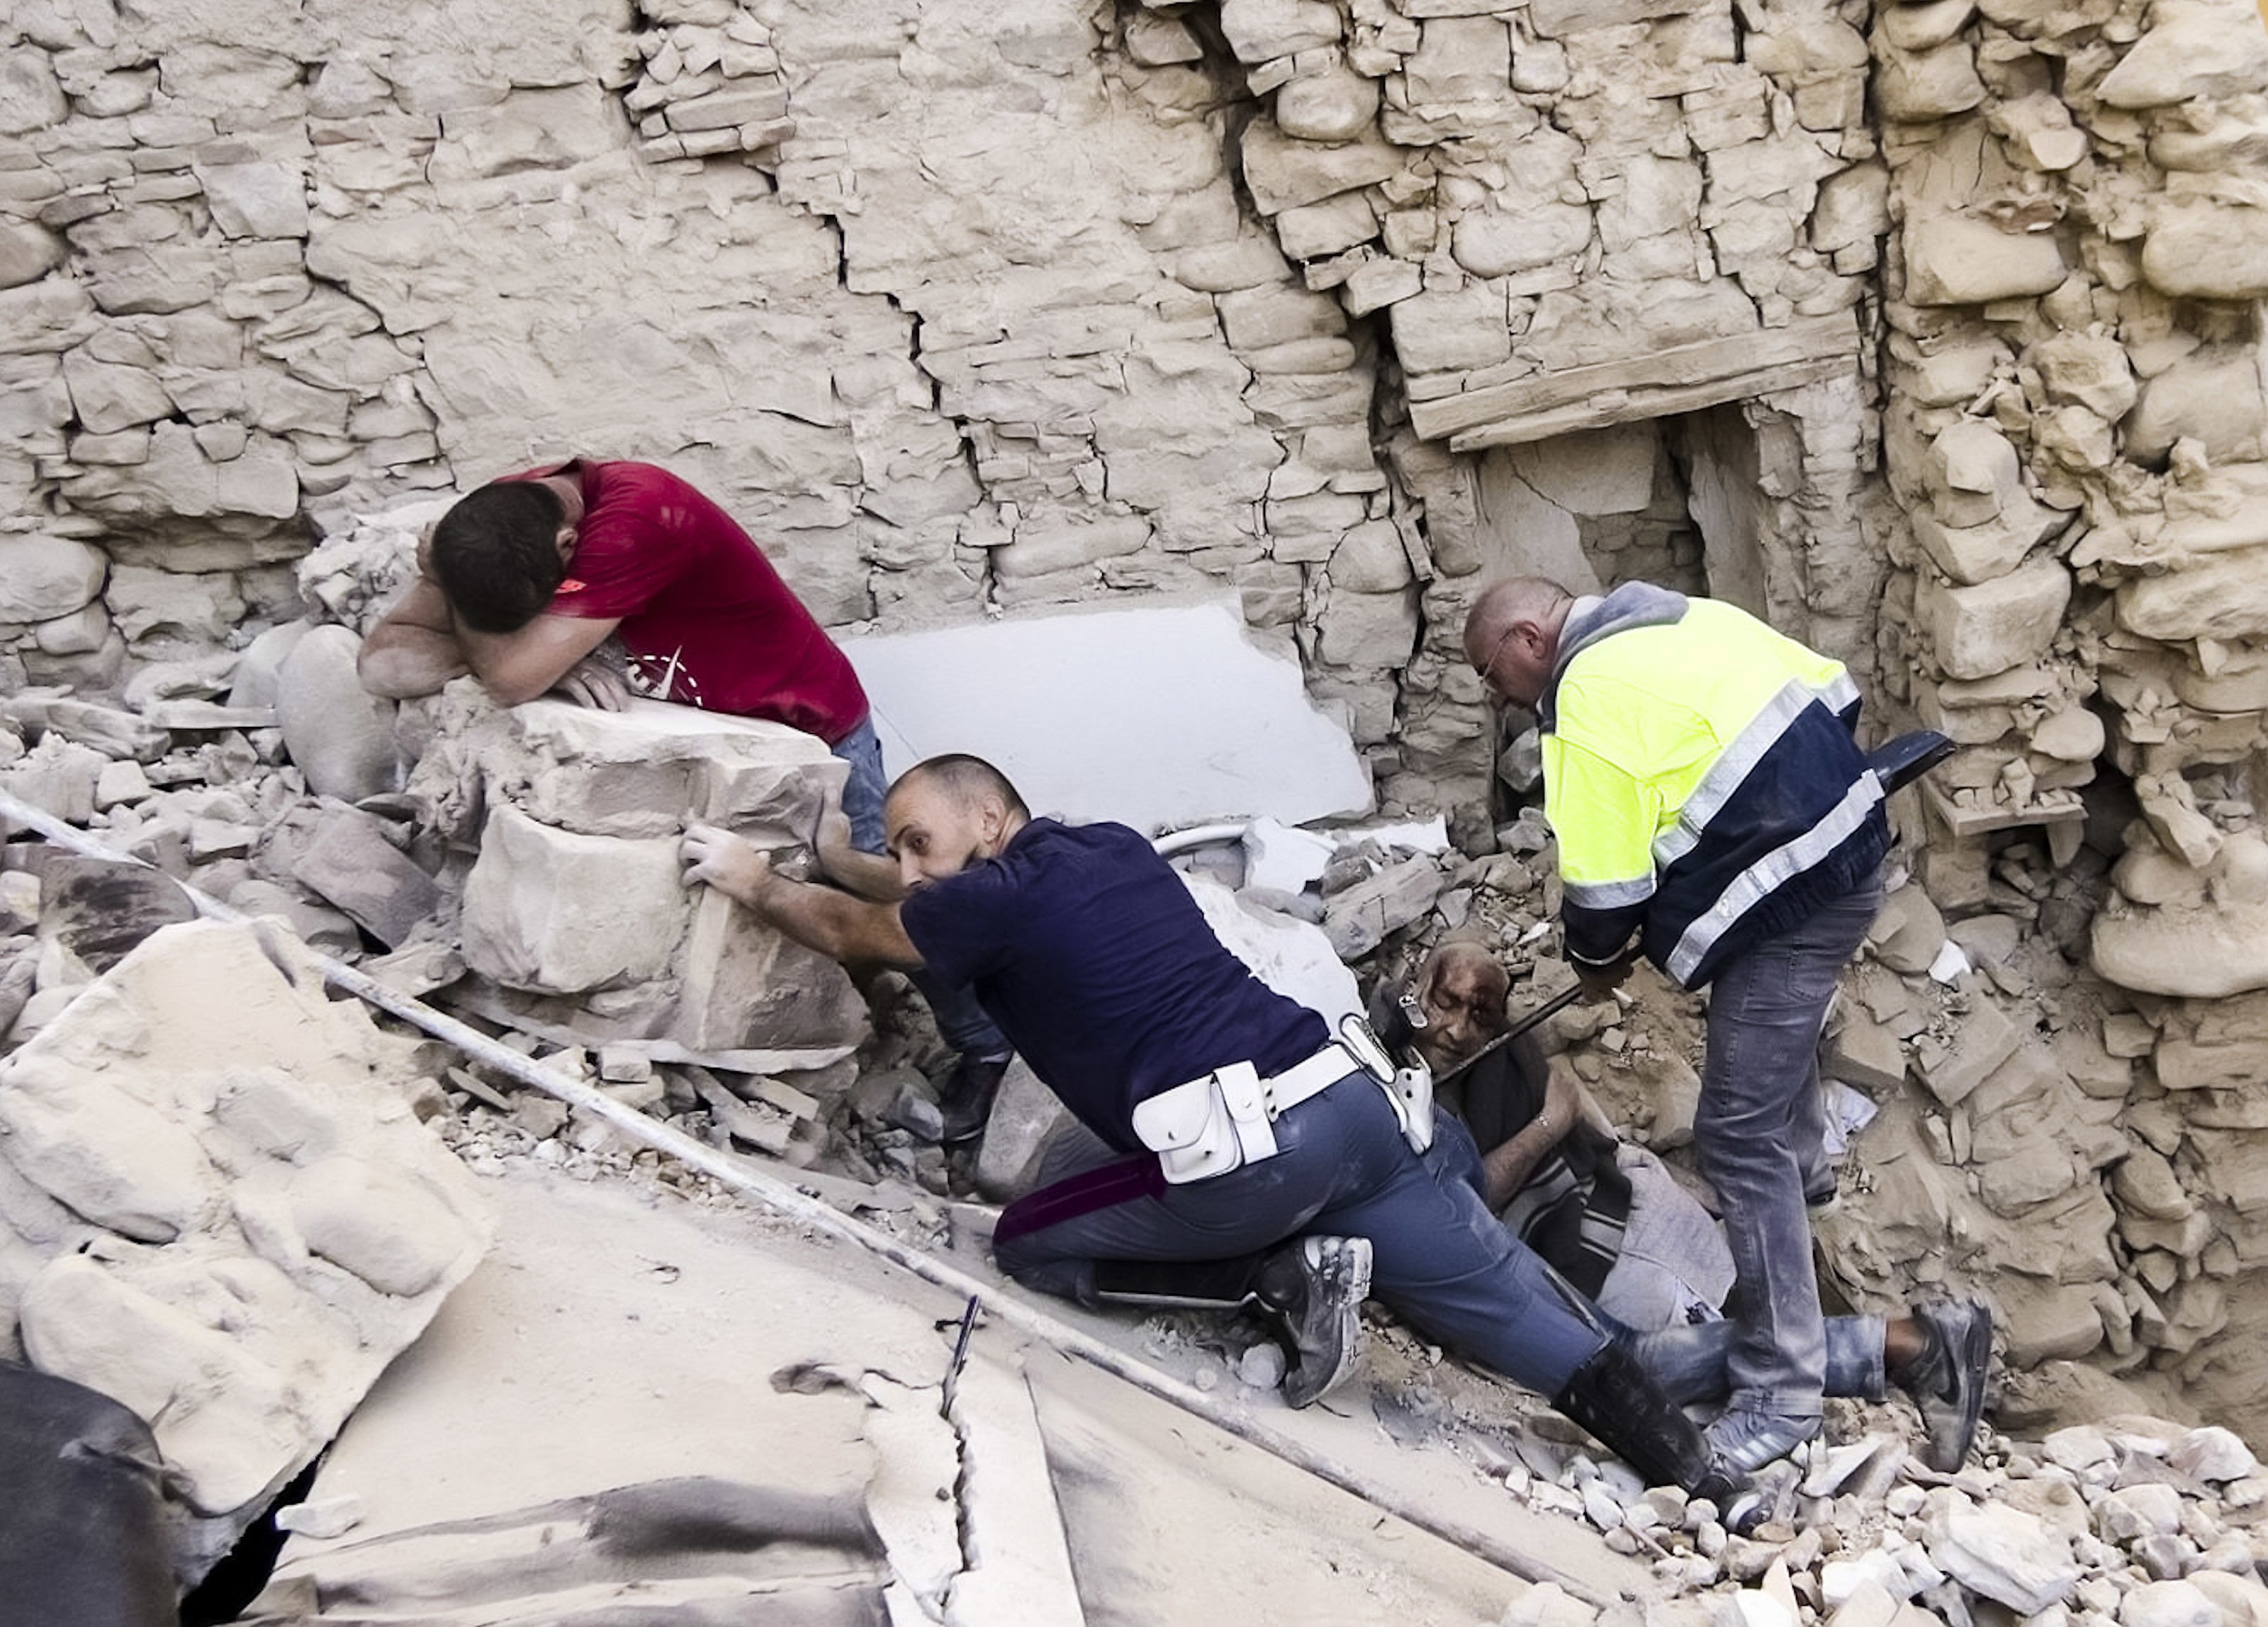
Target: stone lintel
(1682,378)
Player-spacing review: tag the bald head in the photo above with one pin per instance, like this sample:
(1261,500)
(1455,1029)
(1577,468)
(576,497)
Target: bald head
(1461,989)
(969,781)
(947,813)
(1512,636)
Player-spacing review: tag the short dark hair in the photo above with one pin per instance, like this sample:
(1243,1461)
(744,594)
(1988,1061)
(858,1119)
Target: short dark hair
(495,555)
(966,779)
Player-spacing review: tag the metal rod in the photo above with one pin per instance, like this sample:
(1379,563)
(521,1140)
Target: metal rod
(782,1197)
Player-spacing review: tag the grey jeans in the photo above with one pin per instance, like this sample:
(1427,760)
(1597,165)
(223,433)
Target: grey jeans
(1760,1131)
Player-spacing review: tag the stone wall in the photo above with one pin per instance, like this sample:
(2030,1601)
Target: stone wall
(2074,428)
(957,307)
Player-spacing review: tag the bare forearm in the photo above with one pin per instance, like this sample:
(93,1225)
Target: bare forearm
(869,875)
(1507,1168)
(402,662)
(835,923)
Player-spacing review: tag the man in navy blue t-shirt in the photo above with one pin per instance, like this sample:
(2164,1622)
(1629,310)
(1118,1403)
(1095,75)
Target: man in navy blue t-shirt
(1084,947)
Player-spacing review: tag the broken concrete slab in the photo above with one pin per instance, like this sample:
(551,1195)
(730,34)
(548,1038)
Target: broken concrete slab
(640,773)
(114,734)
(1019,1568)
(1867,1054)
(1295,958)
(216,1206)
(1361,917)
(1158,718)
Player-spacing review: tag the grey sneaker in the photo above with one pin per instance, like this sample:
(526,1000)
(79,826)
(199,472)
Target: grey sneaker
(1769,1498)
(1323,1318)
(1947,1380)
(1745,1441)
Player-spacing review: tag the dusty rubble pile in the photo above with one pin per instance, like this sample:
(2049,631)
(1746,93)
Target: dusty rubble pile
(2016,1150)
(218,1206)
(2135,1520)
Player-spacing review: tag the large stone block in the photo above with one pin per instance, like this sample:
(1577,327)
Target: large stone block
(41,577)
(2212,396)
(549,909)
(2222,595)
(1978,630)
(1259,30)
(2208,251)
(2192,49)
(575,916)
(339,734)
(1962,259)
(256,1221)
(1283,172)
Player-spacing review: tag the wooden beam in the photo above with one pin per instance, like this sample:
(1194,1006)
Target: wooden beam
(1678,379)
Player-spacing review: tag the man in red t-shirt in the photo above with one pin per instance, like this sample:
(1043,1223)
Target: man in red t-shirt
(527,577)
(523,580)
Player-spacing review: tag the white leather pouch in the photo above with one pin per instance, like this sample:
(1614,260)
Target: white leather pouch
(1189,1128)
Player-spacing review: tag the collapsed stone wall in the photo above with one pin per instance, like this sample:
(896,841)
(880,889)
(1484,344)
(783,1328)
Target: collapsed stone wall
(1342,307)
(2075,427)
(956,307)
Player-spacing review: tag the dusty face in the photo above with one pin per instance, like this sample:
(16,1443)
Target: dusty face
(1463,1004)
(934,834)
(1517,665)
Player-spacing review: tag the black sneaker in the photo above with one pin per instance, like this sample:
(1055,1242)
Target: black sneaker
(966,1101)
(1947,1380)
(1320,1314)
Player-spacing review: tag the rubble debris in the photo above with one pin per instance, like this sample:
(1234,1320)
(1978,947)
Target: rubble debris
(221,1210)
(575,919)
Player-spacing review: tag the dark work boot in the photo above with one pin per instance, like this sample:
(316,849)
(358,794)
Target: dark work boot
(1616,1399)
(1310,1290)
(965,1100)
(1314,1287)
(1947,1380)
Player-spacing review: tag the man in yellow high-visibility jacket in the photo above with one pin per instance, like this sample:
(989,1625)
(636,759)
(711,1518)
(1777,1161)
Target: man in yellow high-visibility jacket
(1709,799)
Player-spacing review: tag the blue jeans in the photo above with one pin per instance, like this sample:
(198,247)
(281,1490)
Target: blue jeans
(961,1021)
(1438,1256)
(1760,1132)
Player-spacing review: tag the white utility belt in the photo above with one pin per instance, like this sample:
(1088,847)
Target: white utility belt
(1225,1119)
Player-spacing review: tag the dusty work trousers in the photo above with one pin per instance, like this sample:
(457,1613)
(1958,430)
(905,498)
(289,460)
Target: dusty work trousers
(1439,1257)
(1693,1363)
(1760,1131)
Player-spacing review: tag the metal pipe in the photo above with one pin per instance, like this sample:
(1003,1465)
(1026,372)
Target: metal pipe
(782,1197)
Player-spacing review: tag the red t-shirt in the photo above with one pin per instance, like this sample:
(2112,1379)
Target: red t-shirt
(706,619)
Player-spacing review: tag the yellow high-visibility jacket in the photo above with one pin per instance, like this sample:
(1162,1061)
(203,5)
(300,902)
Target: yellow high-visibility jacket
(1704,779)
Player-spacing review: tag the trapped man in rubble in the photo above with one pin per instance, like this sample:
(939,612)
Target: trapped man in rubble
(1240,1156)
(1704,779)
(523,581)
(1611,1218)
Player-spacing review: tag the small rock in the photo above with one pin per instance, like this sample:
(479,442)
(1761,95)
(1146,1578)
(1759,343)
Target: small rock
(1262,1366)
(322,1517)
(624,1064)
(2168,1604)
(2212,1454)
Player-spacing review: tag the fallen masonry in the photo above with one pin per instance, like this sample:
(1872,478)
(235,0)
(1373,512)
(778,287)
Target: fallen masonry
(2125,1517)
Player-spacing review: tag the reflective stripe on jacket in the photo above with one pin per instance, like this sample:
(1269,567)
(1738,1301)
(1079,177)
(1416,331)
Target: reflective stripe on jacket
(1704,779)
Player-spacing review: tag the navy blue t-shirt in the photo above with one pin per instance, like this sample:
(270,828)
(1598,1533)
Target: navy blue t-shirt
(1089,951)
